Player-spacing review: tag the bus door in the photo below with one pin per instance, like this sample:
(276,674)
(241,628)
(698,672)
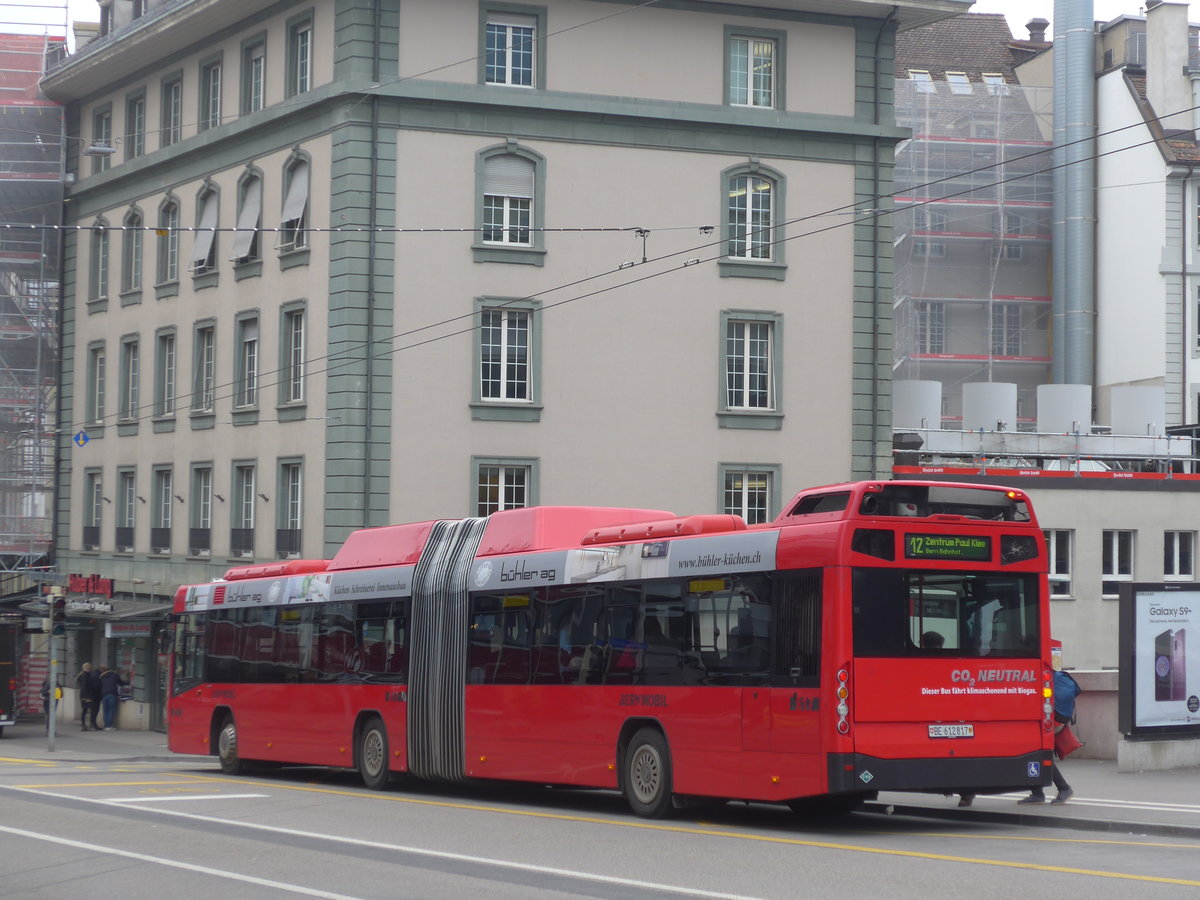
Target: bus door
(730,646)
(795,640)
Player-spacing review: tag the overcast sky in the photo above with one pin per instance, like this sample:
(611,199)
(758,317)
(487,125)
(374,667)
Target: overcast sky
(1019,12)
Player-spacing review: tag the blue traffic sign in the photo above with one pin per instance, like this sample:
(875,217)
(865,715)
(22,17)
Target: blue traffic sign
(80,438)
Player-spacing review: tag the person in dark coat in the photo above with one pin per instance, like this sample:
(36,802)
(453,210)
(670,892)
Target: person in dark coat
(88,683)
(110,693)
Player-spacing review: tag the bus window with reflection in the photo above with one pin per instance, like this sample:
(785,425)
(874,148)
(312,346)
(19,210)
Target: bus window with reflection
(898,613)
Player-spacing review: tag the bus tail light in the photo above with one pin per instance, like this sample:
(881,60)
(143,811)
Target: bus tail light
(843,699)
(1047,700)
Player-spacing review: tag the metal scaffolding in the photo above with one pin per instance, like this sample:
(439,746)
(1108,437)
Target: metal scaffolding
(972,239)
(31,194)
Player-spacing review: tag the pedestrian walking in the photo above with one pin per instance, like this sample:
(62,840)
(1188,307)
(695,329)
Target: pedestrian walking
(46,701)
(1066,689)
(88,684)
(110,692)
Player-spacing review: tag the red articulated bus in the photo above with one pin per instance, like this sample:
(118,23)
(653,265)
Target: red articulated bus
(875,636)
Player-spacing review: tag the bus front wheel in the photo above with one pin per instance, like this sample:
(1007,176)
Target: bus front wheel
(647,774)
(373,756)
(227,748)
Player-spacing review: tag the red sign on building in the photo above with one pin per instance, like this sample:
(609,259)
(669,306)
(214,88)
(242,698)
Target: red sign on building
(90,584)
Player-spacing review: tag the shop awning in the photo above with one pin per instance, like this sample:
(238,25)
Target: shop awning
(80,607)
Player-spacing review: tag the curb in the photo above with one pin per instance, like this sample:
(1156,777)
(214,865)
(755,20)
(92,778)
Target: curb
(1160,829)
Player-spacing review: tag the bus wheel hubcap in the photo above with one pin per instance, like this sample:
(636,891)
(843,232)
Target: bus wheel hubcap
(646,774)
(228,742)
(373,752)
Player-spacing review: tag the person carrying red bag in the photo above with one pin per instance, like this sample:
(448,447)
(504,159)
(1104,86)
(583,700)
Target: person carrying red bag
(1066,689)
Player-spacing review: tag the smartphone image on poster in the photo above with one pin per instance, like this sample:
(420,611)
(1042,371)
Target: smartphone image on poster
(1163,648)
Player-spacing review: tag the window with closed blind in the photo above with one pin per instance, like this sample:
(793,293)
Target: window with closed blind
(510,187)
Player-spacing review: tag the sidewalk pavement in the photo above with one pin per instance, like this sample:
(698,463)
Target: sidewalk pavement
(1165,803)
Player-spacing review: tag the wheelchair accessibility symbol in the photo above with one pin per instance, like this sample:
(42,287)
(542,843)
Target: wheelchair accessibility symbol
(1033,769)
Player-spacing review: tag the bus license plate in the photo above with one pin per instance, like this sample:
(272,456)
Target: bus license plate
(951,731)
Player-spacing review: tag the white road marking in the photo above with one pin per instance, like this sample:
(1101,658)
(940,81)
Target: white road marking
(184,797)
(158,860)
(415,851)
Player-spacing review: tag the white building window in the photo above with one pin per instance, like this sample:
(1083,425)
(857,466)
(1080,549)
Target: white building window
(300,57)
(130,379)
(210,95)
(752,72)
(246,375)
(508,184)
(1058,547)
(504,484)
(293,234)
(510,45)
(931,327)
(292,348)
(504,354)
(1117,560)
(747,493)
(749,354)
(204,373)
(1178,555)
(750,217)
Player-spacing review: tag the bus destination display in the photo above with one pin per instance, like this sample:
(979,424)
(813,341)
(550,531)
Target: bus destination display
(947,546)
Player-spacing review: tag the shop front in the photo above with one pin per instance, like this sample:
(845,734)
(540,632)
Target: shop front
(124,631)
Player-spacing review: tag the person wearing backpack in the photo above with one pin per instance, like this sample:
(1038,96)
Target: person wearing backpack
(1066,689)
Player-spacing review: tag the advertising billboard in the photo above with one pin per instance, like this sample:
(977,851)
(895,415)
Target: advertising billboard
(1160,675)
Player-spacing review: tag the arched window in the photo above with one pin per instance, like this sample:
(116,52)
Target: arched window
(131,252)
(752,222)
(204,249)
(293,233)
(168,242)
(510,181)
(246,239)
(98,270)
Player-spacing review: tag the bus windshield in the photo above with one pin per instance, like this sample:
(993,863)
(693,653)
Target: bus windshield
(937,614)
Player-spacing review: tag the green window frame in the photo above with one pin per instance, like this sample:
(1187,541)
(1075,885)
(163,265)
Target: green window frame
(507,15)
(737,225)
(170,129)
(501,325)
(490,184)
(731,415)
(739,80)
(135,124)
(300,54)
(253,93)
(496,481)
(745,488)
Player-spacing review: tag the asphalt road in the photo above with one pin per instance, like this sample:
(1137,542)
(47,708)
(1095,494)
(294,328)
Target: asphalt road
(159,828)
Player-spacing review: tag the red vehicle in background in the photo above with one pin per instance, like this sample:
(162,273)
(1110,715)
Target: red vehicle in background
(875,636)
(10,643)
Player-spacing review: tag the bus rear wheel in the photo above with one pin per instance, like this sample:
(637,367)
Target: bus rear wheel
(647,774)
(373,756)
(227,749)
